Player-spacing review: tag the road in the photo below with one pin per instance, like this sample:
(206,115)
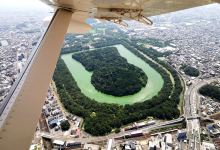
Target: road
(112,135)
(191,113)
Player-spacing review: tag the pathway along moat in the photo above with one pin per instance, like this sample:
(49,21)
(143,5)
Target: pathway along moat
(83,79)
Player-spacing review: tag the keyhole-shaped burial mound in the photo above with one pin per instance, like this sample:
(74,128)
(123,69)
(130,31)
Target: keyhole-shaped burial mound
(112,74)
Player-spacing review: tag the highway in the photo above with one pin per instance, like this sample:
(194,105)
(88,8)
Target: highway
(193,122)
(191,113)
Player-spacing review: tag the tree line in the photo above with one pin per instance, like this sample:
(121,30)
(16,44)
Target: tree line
(210,90)
(190,71)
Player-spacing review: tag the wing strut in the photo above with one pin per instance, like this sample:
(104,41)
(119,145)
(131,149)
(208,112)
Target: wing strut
(22,107)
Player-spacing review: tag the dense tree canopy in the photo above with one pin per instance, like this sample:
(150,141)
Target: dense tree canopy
(100,125)
(211,91)
(65,125)
(190,71)
(112,74)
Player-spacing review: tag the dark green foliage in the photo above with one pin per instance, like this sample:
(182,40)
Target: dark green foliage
(112,74)
(190,71)
(119,81)
(151,51)
(105,57)
(71,40)
(154,42)
(211,91)
(204,137)
(162,106)
(98,125)
(71,49)
(117,130)
(65,125)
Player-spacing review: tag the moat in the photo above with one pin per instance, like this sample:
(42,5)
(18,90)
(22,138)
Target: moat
(83,79)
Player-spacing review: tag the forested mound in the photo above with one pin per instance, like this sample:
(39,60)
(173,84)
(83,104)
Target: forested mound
(112,74)
(102,118)
(211,91)
(190,71)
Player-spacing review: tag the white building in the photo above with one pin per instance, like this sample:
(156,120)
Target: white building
(4,43)
(208,146)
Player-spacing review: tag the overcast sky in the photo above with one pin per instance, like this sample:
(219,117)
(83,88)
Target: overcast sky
(23,4)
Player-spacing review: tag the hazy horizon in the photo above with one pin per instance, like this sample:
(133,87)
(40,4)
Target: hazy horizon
(23,5)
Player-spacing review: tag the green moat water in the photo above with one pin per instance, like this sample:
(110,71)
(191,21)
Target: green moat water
(83,79)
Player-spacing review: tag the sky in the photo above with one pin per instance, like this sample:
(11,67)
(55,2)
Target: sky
(23,4)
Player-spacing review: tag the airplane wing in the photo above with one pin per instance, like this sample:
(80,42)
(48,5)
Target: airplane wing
(119,10)
(80,12)
(21,109)
(140,10)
